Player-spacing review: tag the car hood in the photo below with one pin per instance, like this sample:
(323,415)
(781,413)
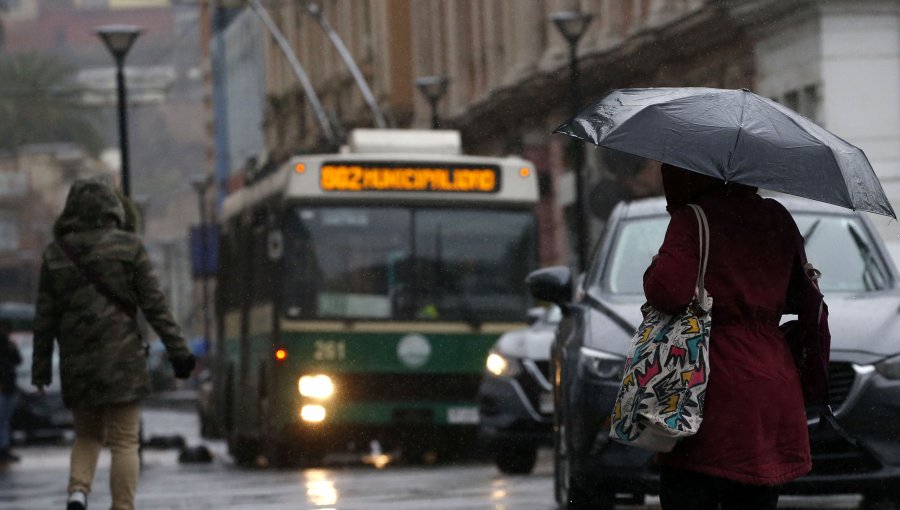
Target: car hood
(612,322)
(530,343)
(865,328)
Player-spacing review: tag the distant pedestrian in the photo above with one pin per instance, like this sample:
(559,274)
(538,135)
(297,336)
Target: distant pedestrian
(95,277)
(10,358)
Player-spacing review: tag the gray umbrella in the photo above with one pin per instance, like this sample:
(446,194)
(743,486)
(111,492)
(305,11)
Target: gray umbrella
(737,136)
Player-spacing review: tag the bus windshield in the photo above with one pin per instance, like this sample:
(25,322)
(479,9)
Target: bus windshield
(437,264)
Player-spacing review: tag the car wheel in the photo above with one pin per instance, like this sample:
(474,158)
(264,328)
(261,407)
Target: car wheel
(516,459)
(571,491)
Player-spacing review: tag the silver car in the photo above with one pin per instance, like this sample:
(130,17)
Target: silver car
(515,406)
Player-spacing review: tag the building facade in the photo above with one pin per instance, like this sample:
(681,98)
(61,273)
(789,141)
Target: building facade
(34,183)
(835,61)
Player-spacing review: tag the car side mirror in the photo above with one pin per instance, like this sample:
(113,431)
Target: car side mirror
(553,284)
(534,314)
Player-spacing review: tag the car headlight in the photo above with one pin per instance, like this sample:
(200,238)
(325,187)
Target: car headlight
(502,366)
(602,365)
(889,368)
(317,386)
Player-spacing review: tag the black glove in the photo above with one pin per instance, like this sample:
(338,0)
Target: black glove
(183,366)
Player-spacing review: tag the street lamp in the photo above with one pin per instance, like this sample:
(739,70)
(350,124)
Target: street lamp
(141,203)
(572,25)
(433,88)
(118,40)
(201,183)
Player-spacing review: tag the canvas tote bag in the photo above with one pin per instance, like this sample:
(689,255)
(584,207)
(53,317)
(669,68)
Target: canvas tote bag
(660,399)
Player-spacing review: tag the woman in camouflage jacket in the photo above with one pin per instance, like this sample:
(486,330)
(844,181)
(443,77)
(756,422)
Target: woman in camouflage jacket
(94,278)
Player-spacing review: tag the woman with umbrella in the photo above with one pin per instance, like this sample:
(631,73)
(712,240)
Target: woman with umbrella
(717,146)
(754,434)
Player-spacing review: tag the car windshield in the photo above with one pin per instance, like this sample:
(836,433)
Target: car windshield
(408,263)
(635,243)
(838,245)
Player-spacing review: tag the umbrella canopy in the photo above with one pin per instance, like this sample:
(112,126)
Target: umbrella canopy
(737,136)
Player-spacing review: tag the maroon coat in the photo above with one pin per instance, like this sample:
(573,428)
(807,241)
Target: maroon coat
(754,424)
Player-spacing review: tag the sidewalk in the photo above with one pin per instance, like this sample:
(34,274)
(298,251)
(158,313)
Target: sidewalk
(174,399)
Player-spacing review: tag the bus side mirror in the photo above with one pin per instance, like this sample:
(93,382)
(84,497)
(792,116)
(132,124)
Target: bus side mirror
(553,284)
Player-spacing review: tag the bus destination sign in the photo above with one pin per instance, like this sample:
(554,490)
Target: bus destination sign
(424,177)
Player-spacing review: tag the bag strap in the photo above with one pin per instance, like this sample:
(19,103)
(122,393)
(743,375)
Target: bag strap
(95,280)
(703,231)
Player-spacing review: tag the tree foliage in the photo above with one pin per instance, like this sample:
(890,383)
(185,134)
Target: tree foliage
(41,103)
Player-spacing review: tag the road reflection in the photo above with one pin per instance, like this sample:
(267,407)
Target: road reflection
(320,489)
(499,494)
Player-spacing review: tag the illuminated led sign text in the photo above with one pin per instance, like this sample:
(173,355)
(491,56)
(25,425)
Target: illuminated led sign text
(404,177)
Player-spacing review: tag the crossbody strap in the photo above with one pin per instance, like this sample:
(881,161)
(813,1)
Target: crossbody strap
(95,280)
(703,234)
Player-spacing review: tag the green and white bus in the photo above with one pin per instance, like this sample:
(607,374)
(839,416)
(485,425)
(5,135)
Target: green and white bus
(358,294)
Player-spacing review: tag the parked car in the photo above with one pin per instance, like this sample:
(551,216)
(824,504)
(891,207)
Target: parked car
(36,417)
(515,406)
(861,287)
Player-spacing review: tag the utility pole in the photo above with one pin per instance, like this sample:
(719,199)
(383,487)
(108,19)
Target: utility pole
(316,12)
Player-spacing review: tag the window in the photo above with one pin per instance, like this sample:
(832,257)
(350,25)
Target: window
(407,263)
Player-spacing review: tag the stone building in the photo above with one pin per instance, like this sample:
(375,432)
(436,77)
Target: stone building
(836,61)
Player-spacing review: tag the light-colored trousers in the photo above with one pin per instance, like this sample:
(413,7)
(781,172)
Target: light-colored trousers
(118,427)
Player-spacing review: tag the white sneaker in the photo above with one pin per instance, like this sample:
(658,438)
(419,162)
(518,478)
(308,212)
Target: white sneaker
(77,501)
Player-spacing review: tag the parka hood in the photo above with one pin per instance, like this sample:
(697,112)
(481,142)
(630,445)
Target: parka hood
(91,204)
(682,186)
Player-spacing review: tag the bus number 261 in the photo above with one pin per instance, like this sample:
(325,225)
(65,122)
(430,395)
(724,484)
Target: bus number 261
(329,350)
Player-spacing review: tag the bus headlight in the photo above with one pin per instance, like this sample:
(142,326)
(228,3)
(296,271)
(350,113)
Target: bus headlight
(317,386)
(502,366)
(312,413)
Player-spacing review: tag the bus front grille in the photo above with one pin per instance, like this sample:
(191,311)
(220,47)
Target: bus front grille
(840,380)
(407,387)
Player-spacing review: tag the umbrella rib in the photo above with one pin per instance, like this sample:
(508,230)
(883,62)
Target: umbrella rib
(737,138)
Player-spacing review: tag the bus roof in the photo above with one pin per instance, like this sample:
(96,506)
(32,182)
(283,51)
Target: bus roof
(300,179)
(431,141)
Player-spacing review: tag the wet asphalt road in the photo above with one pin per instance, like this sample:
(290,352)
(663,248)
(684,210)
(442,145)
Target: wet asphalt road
(38,482)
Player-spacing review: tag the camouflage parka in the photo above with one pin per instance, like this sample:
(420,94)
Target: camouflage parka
(103,359)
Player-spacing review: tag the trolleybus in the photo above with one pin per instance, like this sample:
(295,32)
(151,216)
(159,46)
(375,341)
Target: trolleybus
(358,294)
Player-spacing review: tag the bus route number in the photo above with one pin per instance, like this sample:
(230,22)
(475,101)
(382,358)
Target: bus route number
(329,350)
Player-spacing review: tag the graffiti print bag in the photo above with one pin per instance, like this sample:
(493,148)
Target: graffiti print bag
(664,381)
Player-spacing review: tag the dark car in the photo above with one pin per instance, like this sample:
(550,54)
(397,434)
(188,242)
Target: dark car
(515,406)
(36,417)
(863,293)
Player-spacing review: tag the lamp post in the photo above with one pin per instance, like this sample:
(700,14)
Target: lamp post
(572,25)
(118,40)
(141,203)
(201,184)
(433,88)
